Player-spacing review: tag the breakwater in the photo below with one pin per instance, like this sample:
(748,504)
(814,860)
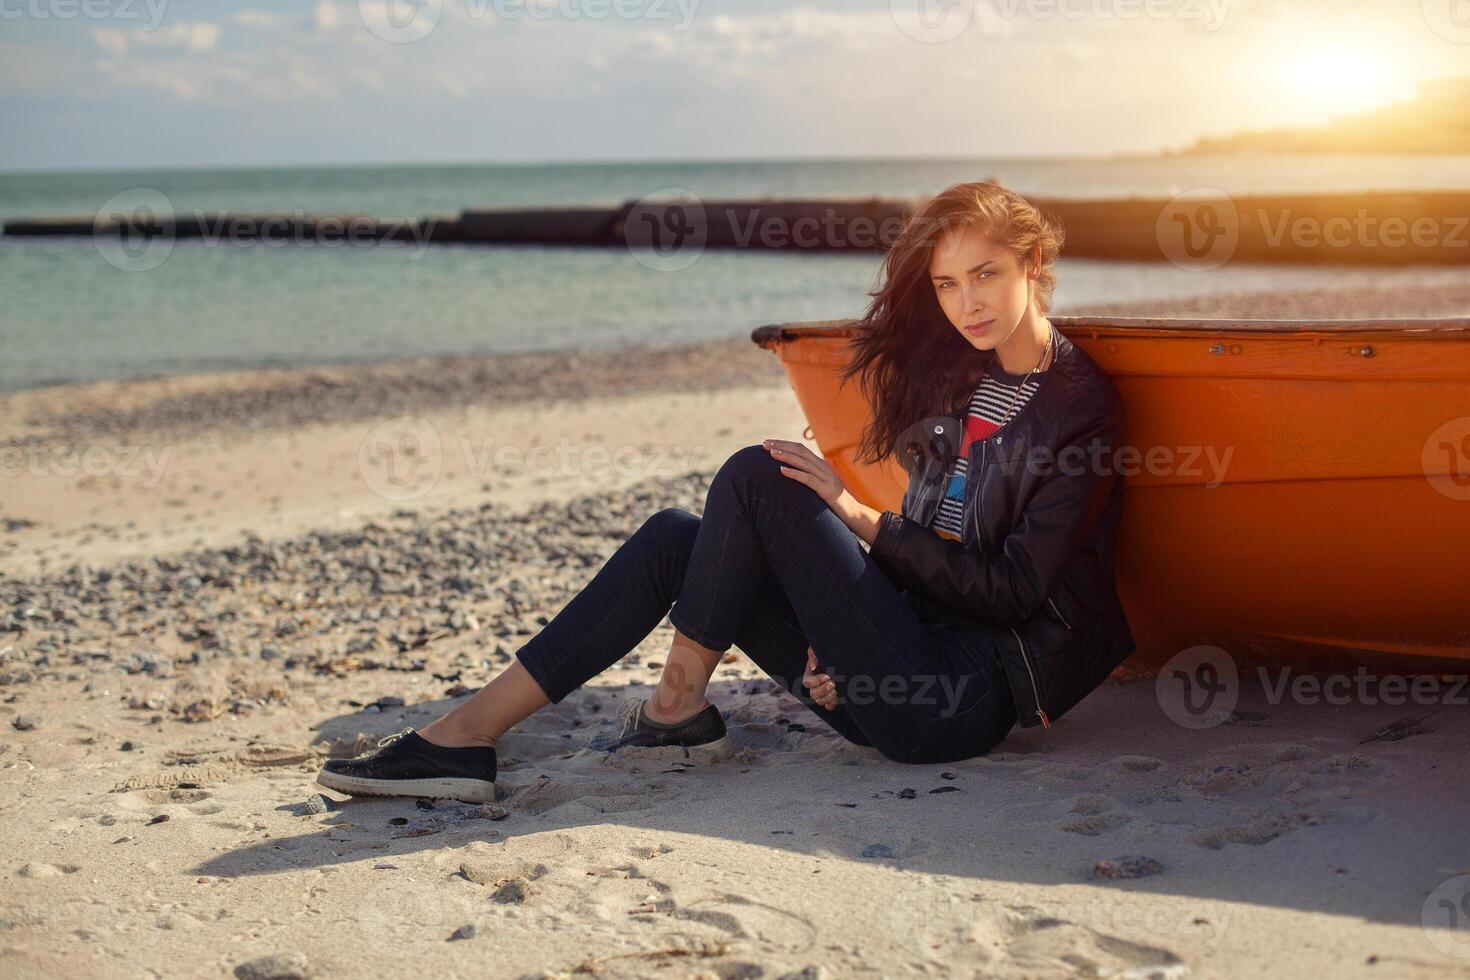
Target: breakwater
(1200,229)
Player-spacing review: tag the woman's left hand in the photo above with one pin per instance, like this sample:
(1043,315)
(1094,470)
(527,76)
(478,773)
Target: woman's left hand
(805,466)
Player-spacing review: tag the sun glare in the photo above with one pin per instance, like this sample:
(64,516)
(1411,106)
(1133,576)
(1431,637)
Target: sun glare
(1337,78)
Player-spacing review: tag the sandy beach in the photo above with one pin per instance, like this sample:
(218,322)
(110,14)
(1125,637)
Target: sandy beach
(211,583)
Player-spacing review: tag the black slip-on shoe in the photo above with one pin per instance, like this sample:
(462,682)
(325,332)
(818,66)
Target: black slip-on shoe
(406,764)
(701,736)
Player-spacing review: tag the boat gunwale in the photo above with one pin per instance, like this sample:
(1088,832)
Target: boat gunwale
(1192,328)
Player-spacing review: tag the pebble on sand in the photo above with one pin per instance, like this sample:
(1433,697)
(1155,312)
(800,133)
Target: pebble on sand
(314,804)
(275,966)
(1128,866)
(814,972)
(512,892)
(486,811)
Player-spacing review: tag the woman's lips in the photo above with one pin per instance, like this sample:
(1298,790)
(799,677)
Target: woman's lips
(978,328)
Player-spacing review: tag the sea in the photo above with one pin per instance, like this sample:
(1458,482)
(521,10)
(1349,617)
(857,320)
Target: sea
(72,311)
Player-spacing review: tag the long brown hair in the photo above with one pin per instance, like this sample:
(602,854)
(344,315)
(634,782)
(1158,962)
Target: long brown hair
(909,359)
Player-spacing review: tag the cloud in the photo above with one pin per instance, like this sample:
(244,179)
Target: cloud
(197,35)
(110,40)
(327,16)
(742,77)
(262,20)
(319,54)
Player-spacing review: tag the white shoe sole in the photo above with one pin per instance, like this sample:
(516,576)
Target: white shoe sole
(717,751)
(448,788)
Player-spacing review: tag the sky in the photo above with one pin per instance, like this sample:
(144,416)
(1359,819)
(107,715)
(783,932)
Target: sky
(100,84)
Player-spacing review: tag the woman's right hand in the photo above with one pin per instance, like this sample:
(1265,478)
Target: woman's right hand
(821,687)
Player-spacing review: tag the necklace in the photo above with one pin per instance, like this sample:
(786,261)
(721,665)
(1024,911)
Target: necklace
(1050,342)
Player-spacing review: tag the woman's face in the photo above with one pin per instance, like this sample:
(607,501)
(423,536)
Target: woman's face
(981,287)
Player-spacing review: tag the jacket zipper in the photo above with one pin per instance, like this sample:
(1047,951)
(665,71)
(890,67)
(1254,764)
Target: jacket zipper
(1045,721)
(978,478)
(1053,604)
(980,532)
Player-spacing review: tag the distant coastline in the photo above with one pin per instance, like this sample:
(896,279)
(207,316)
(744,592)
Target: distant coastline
(1436,121)
(79,310)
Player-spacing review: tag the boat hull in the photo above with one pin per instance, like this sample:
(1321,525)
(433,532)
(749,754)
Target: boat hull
(1296,491)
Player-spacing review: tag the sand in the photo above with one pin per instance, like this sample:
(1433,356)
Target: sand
(189,635)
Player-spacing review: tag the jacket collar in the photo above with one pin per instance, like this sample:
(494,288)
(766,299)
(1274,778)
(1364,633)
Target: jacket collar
(1062,360)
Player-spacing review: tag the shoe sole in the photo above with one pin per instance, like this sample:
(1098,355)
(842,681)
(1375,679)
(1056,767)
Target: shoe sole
(446,788)
(717,751)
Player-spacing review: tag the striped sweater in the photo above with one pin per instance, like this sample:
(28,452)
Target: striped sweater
(982,420)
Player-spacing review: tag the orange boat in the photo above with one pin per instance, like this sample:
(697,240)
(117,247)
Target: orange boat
(1300,489)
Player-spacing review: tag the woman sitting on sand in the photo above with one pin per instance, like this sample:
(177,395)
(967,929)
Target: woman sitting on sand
(988,600)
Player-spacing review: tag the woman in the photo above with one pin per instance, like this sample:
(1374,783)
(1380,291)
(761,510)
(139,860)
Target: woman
(989,600)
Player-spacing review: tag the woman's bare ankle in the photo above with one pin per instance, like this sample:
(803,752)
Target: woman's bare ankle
(447,736)
(673,713)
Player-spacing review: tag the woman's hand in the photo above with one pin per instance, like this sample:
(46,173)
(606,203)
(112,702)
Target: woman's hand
(801,464)
(805,466)
(821,687)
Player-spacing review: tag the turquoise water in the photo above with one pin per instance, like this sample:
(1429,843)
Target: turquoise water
(69,314)
(448,189)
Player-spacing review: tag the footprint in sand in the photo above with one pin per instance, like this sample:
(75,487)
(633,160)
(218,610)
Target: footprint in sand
(159,797)
(1091,803)
(40,869)
(1135,763)
(1292,752)
(544,795)
(1065,778)
(1100,813)
(772,929)
(625,872)
(1348,763)
(1060,939)
(1261,828)
(1223,780)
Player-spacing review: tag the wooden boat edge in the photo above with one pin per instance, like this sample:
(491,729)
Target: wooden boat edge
(1449,327)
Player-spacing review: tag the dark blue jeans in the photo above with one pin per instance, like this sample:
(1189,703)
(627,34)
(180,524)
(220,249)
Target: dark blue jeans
(771,569)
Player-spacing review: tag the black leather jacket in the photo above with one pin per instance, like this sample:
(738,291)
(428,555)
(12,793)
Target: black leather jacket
(1043,501)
